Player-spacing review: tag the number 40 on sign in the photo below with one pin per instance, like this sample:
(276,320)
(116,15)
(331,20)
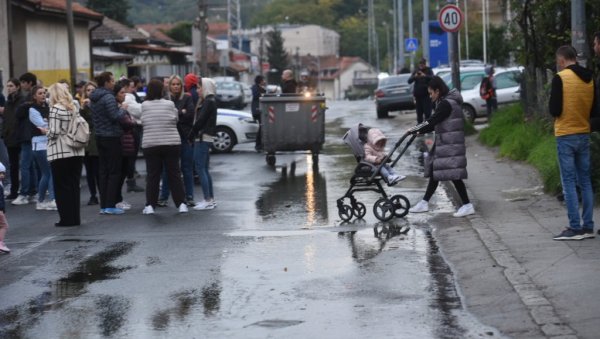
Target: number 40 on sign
(450,18)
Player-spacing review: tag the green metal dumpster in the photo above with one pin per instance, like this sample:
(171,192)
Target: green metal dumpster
(292,123)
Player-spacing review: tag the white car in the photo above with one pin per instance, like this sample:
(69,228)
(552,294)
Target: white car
(233,127)
(508,90)
(247,94)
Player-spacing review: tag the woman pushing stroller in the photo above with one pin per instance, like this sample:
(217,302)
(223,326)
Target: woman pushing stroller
(447,159)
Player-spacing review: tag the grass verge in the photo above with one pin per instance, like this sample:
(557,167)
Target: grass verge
(525,141)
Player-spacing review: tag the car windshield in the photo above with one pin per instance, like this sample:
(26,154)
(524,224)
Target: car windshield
(228,86)
(394,80)
(468,80)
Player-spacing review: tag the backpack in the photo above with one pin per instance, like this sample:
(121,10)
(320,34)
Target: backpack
(78,132)
(485,90)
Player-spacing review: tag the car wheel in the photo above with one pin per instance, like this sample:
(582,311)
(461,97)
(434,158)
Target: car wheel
(469,113)
(382,114)
(224,140)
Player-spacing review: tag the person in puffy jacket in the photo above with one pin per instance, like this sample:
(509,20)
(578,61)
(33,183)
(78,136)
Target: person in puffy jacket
(447,160)
(375,154)
(107,126)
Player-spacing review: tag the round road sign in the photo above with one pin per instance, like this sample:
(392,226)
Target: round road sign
(450,18)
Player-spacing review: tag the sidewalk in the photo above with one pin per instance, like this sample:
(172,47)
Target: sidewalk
(513,276)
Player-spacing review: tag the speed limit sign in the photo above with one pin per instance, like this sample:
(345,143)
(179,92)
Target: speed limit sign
(450,18)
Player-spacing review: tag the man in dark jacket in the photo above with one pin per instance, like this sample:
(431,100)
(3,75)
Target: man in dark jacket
(26,162)
(106,117)
(288,83)
(572,102)
(421,78)
(258,90)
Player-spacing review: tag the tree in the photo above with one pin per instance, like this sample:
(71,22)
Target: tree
(116,10)
(276,54)
(353,37)
(181,32)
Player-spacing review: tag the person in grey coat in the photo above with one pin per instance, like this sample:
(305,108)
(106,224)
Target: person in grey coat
(447,159)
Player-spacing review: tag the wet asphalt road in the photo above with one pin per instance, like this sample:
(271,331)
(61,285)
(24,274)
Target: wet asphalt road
(272,261)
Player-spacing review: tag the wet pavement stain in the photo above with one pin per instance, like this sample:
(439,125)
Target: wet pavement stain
(15,321)
(112,311)
(276,323)
(445,298)
(211,299)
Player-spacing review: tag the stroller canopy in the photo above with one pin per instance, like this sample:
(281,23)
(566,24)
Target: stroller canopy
(355,138)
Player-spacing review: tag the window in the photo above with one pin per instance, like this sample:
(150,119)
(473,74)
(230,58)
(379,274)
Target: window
(507,80)
(471,81)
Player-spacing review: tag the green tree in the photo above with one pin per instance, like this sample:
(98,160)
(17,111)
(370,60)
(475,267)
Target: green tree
(116,10)
(354,36)
(499,44)
(276,54)
(181,32)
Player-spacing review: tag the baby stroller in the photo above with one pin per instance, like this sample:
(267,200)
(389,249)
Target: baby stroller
(367,177)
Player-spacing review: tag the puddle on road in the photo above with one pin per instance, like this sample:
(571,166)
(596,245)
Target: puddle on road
(301,199)
(17,320)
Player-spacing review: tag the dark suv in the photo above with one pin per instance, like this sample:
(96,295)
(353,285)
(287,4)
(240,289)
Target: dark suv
(394,94)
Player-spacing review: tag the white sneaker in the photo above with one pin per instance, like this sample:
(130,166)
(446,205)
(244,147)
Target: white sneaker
(51,205)
(183,208)
(123,205)
(421,207)
(465,210)
(204,205)
(148,210)
(21,200)
(3,248)
(7,190)
(40,206)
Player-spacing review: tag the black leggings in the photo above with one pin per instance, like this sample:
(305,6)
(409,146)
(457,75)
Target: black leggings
(460,188)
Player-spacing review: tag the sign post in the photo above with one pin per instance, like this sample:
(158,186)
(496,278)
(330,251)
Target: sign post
(451,19)
(411,45)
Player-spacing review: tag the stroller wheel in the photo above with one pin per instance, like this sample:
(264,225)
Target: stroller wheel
(345,212)
(401,205)
(383,210)
(360,210)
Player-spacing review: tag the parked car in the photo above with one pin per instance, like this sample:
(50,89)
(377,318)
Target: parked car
(468,79)
(247,94)
(230,94)
(507,92)
(233,127)
(394,93)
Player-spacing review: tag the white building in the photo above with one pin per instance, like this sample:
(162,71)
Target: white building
(341,74)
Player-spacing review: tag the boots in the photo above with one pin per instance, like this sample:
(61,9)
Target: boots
(133,187)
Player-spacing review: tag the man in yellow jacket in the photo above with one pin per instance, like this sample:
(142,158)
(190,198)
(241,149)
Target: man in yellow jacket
(572,103)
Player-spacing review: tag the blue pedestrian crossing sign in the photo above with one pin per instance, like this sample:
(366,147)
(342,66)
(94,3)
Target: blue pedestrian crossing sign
(411,44)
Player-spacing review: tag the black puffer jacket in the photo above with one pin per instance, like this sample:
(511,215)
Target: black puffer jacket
(205,119)
(185,111)
(105,113)
(11,125)
(421,82)
(23,123)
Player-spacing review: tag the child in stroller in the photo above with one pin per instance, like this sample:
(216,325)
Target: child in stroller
(371,169)
(375,154)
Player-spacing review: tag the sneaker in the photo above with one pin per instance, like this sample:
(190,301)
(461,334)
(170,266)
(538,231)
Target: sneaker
(570,234)
(465,210)
(162,203)
(123,205)
(32,198)
(421,207)
(40,206)
(588,233)
(394,179)
(114,211)
(51,205)
(148,210)
(204,205)
(92,201)
(183,208)
(3,248)
(189,201)
(7,190)
(12,196)
(21,200)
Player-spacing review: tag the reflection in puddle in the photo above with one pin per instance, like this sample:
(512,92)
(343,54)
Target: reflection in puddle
(186,302)
(301,200)
(15,321)
(363,250)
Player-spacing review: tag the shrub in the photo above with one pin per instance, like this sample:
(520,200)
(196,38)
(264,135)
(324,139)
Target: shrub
(502,125)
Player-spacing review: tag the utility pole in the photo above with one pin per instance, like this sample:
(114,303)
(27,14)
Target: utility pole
(467,26)
(454,55)
(262,50)
(401,33)
(369,28)
(411,33)
(203,27)
(71,41)
(395,54)
(578,25)
(425,30)
(483,12)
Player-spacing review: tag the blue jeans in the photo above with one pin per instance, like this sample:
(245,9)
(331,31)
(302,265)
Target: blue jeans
(187,170)
(28,171)
(201,160)
(46,183)
(574,162)
(386,172)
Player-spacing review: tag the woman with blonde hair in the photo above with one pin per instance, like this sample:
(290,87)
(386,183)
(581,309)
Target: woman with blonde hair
(66,162)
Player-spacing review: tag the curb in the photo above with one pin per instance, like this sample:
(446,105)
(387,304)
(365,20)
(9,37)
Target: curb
(541,310)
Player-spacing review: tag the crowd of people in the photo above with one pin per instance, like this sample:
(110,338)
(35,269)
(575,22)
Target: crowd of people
(173,126)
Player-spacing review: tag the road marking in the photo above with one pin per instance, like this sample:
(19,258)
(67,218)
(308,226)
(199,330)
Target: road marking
(14,255)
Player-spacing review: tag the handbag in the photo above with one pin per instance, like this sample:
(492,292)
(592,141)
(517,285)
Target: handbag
(78,132)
